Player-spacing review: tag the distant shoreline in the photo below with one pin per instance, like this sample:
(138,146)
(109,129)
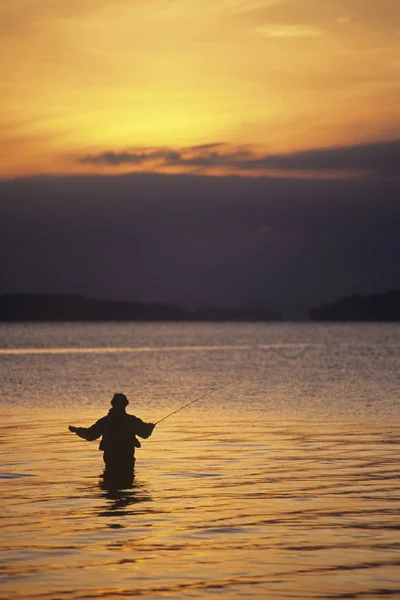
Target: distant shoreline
(75,308)
(380,308)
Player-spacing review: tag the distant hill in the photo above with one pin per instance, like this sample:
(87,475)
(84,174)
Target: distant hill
(70,307)
(66,307)
(220,313)
(374,307)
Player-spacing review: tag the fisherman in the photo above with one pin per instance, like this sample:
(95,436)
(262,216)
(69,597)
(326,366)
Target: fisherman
(118,430)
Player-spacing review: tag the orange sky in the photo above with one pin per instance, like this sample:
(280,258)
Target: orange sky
(85,77)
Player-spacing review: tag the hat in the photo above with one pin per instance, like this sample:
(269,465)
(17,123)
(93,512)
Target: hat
(119,400)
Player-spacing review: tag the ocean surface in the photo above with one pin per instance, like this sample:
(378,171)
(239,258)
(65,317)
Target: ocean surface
(283,484)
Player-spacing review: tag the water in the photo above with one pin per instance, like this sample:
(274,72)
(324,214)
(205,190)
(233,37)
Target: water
(284,484)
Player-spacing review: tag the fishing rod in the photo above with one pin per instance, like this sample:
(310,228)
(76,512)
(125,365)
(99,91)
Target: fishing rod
(197,399)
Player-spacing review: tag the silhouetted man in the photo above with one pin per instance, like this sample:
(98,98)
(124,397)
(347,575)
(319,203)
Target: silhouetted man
(119,431)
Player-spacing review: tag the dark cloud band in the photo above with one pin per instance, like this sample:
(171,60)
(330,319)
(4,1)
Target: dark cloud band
(380,158)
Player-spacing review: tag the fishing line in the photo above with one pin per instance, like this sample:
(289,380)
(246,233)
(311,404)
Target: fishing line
(197,399)
(237,319)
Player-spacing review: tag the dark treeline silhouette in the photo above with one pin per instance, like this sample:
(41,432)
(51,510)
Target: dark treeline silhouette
(220,313)
(374,307)
(70,307)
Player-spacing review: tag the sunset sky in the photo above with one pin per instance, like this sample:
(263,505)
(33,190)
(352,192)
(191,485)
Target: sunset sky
(210,86)
(119,118)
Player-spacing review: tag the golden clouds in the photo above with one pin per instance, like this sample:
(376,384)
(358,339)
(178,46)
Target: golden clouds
(289,31)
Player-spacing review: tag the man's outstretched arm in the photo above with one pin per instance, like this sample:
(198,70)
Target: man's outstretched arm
(89,433)
(143,430)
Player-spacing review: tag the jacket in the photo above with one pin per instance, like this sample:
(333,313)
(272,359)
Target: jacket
(118,430)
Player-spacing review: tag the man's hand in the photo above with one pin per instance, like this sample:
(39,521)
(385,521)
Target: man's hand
(73,429)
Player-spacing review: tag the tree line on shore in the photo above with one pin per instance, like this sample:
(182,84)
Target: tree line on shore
(72,307)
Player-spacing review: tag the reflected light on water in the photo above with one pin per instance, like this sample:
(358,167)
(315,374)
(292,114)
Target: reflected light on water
(283,485)
(245,508)
(107,350)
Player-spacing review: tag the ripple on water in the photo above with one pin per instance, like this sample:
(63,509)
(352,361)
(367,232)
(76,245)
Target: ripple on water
(304,510)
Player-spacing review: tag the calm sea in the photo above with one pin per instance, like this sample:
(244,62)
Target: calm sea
(283,484)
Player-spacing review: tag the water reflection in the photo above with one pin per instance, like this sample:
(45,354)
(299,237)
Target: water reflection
(121,496)
(306,510)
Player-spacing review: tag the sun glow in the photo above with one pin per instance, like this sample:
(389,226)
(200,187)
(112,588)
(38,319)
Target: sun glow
(91,77)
